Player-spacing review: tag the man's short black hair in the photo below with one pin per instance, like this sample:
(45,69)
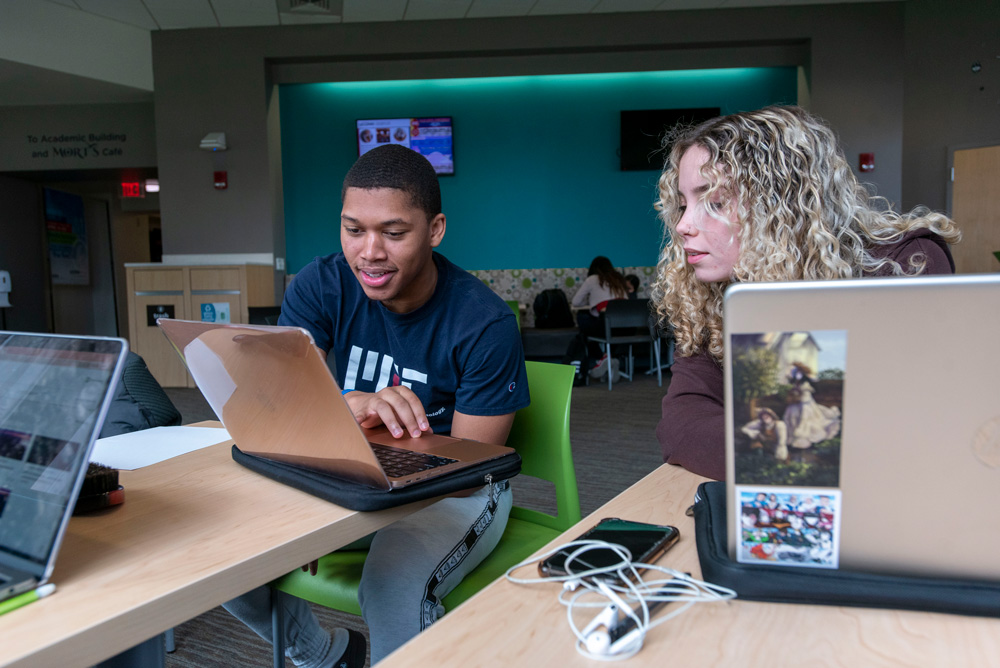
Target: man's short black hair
(395,166)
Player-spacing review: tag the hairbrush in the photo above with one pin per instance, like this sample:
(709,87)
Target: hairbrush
(100,489)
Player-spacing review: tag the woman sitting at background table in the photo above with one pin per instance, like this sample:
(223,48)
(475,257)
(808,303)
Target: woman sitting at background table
(765,195)
(603,283)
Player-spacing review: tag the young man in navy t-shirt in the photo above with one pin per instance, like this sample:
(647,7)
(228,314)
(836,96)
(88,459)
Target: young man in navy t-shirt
(419,345)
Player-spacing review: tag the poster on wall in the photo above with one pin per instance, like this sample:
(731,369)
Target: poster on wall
(66,234)
(216,312)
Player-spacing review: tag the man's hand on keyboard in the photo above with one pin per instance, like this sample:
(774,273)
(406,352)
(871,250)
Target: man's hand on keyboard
(396,407)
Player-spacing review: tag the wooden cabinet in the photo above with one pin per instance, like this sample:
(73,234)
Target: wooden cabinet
(220,293)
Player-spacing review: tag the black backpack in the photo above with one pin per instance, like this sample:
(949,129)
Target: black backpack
(552,310)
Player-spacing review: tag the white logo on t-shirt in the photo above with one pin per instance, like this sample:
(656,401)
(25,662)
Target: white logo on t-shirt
(388,372)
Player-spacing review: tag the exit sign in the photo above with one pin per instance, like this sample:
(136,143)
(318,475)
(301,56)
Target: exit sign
(132,189)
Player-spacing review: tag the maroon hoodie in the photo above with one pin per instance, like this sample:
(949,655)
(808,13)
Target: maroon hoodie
(692,431)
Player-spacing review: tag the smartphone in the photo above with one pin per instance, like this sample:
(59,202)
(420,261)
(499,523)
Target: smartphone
(646,542)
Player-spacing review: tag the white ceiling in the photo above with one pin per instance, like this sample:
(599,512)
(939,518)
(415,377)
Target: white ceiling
(28,77)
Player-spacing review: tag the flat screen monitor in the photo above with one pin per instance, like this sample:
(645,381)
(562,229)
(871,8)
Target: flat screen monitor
(642,133)
(430,137)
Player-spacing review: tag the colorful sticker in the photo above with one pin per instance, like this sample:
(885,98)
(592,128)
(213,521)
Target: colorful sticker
(787,526)
(788,400)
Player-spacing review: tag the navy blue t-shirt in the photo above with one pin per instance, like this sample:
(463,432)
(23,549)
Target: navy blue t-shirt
(461,351)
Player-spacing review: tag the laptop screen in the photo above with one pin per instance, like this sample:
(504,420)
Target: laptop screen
(51,401)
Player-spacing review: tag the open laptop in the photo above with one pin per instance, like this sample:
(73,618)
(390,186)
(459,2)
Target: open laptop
(54,394)
(273,391)
(889,391)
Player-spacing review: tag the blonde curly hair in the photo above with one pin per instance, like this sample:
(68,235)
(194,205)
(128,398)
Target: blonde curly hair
(797,210)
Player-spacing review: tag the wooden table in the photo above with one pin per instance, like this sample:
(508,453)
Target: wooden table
(194,532)
(522,625)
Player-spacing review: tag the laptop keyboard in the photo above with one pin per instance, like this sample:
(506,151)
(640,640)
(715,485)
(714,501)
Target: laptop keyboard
(398,463)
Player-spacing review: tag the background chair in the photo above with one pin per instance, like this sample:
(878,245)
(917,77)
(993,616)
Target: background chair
(632,314)
(540,434)
(661,337)
(515,306)
(139,402)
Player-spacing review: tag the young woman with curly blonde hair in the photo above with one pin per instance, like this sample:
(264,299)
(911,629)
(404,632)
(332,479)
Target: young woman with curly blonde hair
(765,195)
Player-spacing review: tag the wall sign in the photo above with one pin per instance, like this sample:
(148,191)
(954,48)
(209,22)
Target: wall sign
(215,312)
(154,311)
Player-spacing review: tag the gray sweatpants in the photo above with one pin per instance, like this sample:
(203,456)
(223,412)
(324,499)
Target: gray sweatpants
(411,566)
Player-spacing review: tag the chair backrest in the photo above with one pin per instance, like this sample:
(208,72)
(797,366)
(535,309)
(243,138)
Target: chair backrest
(139,402)
(627,313)
(515,306)
(540,434)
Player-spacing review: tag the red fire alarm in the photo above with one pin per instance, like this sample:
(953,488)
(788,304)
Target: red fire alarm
(221,180)
(866,162)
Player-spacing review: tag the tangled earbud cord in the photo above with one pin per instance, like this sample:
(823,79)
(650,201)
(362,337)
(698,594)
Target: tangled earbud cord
(618,631)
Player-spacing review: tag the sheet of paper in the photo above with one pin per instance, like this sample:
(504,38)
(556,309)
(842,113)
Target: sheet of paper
(149,446)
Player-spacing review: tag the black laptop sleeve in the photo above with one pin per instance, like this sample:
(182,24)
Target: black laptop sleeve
(820,586)
(359,497)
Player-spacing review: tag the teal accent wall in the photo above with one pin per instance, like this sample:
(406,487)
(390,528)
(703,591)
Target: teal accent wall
(537,180)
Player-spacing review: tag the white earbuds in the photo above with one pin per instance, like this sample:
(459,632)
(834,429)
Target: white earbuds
(617,632)
(598,642)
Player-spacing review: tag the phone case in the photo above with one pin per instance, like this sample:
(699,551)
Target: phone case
(547,569)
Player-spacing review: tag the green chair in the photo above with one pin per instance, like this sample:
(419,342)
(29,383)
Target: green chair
(540,434)
(515,306)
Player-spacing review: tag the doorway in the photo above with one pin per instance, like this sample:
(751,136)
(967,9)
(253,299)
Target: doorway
(975,206)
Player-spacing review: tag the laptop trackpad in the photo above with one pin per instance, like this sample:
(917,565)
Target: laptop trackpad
(426,443)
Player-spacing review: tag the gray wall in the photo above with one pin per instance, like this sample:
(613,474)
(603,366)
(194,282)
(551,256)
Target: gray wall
(220,81)
(22,253)
(947,105)
(75,137)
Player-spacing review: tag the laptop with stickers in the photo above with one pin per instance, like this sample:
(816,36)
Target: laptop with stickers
(54,396)
(863,424)
(273,391)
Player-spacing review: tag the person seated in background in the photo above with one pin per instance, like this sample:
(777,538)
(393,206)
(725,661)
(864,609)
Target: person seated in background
(633,282)
(603,283)
(451,362)
(764,195)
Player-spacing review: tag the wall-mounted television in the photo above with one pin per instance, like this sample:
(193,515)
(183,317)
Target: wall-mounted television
(642,134)
(430,137)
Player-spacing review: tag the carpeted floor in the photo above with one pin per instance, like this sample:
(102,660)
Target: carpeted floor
(614,445)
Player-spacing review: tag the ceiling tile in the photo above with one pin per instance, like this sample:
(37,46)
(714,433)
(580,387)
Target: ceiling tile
(732,4)
(418,10)
(131,12)
(237,13)
(609,6)
(487,8)
(695,4)
(361,11)
(564,7)
(826,2)
(179,14)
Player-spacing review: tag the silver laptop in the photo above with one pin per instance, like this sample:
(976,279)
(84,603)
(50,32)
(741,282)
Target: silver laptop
(863,424)
(54,394)
(273,391)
